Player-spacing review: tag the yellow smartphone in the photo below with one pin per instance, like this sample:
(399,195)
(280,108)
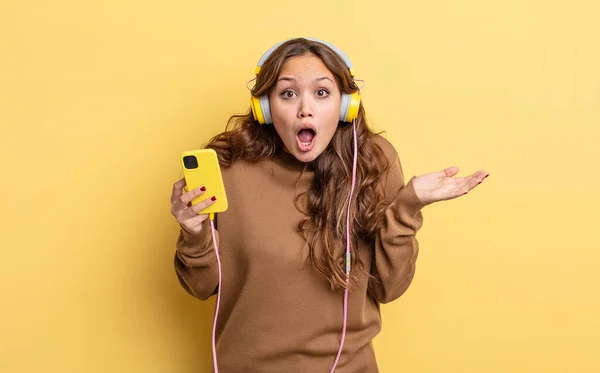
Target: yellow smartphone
(201,168)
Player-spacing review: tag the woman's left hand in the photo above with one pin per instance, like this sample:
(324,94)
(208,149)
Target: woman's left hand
(441,185)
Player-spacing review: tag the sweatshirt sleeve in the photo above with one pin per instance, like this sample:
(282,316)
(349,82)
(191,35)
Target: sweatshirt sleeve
(196,262)
(396,246)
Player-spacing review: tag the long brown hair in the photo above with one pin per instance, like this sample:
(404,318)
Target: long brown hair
(325,203)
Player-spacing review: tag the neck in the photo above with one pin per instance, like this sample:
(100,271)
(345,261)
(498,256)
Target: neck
(287,159)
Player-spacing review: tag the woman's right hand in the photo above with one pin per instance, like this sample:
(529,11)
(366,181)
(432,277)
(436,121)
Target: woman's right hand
(187,214)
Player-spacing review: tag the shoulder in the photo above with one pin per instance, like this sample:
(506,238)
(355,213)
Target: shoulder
(392,176)
(388,149)
(243,168)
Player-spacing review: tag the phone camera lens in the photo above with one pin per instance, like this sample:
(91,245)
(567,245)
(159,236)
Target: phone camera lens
(190,162)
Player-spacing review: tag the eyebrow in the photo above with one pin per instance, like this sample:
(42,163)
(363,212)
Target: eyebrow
(291,78)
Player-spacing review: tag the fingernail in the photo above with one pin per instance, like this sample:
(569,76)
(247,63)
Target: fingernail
(213,198)
(487,175)
(479,183)
(203,189)
(465,193)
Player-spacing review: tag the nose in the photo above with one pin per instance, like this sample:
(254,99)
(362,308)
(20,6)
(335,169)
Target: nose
(305,110)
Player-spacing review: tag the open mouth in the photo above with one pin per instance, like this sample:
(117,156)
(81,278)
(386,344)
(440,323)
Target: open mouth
(306,139)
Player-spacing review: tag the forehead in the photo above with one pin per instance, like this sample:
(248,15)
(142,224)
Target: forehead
(307,64)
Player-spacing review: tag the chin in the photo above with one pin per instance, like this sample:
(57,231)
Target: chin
(307,157)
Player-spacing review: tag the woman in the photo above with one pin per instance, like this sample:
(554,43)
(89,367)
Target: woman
(282,240)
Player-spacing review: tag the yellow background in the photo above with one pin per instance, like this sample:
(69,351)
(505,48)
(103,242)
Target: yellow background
(97,100)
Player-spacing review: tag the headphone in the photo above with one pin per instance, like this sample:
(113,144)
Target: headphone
(350,102)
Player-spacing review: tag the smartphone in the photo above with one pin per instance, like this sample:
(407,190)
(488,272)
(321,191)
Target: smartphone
(201,168)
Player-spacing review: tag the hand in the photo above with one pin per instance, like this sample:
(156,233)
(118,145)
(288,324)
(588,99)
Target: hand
(440,186)
(187,214)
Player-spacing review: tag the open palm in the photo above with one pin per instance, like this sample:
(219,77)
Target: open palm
(442,185)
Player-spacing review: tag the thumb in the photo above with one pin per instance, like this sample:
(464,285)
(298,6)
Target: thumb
(448,172)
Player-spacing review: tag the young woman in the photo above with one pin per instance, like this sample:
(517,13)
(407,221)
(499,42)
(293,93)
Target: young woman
(289,301)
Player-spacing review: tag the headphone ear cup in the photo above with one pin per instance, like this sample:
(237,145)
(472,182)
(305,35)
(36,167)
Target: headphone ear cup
(266,109)
(354,106)
(349,106)
(261,109)
(344,106)
(256,110)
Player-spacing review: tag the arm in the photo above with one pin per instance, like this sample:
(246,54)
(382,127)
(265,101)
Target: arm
(196,262)
(396,246)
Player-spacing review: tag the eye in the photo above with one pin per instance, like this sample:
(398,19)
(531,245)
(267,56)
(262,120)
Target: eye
(322,93)
(288,94)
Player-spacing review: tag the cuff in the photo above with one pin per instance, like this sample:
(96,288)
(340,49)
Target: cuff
(193,244)
(409,200)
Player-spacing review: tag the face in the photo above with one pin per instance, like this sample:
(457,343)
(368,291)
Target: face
(305,106)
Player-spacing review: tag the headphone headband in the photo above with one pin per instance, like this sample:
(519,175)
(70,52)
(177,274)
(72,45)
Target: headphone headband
(338,51)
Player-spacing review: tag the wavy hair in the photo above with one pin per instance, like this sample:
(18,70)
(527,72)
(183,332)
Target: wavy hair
(325,203)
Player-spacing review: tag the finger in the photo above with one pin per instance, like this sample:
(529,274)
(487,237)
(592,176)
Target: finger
(474,180)
(189,212)
(191,224)
(448,172)
(185,199)
(477,178)
(177,189)
(195,209)
(184,202)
